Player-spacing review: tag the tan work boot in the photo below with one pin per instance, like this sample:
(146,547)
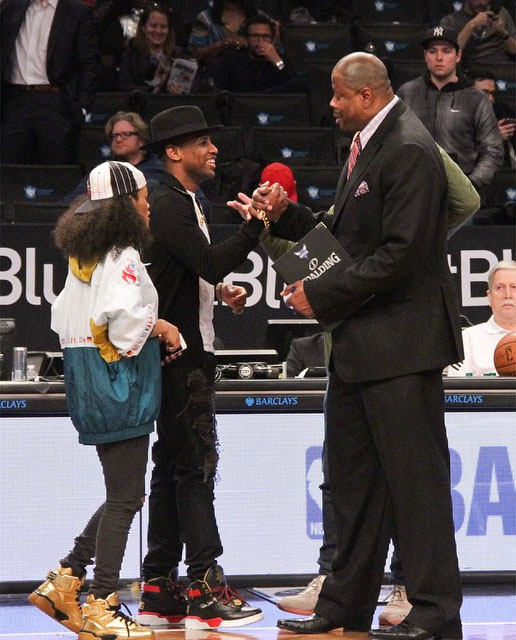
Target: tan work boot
(397,609)
(104,619)
(58,597)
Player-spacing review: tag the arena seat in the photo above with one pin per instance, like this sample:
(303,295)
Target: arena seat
(393,40)
(94,147)
(105,105)
(390,10)
(315,185)
(269,110)
(211,104)
(293,146)
(306,42)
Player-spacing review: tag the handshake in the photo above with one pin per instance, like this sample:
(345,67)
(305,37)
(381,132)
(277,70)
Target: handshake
(267,203)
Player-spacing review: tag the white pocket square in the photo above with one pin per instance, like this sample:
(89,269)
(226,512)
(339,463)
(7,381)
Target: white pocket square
(363,188)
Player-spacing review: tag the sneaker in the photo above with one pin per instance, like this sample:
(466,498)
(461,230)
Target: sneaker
(162,603)
(103,620)
(58,597)
(212,604)
(397,609)
(303,603)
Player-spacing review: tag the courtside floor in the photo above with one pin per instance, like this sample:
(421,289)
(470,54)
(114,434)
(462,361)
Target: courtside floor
(488,613)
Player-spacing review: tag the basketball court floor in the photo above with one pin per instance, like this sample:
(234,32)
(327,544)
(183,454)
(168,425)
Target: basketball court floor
(488,613)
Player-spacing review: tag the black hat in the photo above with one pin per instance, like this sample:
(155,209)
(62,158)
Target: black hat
(176,122)
(441,33)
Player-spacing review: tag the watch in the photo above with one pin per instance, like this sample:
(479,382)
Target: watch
(280,65)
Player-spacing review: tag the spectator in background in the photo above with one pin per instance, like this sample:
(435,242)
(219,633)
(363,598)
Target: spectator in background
(485,82)
(116,22)
(49,58)
(305,352)
(127,132)
(480,340)
(215,30)
(459,119)
(258,67)
(485,35)
(280,173)
(149,55)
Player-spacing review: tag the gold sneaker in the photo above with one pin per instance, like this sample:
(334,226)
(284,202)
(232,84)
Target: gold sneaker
(104,619)
(58,597)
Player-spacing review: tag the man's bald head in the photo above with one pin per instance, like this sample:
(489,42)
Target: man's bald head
(360,70)
(361,88)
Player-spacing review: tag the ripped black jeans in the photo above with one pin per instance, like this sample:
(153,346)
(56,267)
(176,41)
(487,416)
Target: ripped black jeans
(181,510)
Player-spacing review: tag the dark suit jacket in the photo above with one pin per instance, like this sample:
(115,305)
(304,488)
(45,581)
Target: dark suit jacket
(72,53)
(396,306)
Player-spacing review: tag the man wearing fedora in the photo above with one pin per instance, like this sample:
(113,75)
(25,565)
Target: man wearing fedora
(187,271)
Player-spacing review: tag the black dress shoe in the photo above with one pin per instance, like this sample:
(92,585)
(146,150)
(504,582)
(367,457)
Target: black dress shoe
(402,631)
(312,624)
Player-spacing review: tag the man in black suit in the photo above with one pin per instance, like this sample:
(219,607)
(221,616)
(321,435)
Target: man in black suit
(395,324)
(48,64)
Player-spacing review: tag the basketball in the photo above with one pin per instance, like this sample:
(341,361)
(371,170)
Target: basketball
(505,355)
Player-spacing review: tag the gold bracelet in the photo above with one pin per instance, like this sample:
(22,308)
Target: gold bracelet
(265,218)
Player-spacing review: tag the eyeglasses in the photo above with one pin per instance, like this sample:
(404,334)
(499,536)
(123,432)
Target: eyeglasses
(261,36)
(125,135)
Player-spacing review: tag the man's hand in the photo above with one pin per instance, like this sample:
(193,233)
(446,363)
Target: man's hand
(482,18)
(272,199)
(234,297)
(296,299)
(267,50)
(242,207)
(506,127)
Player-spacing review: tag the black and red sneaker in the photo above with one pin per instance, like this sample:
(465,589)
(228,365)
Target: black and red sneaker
(212,604)
(162,603)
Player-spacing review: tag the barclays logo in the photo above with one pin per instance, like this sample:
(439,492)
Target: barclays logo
(310,46)
(511,193)
(463,398)
(286,152)
(249,402)
(105,151)
(313,193)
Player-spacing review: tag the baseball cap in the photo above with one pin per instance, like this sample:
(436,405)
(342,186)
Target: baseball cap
(280,173)
(110,180)
(441,33)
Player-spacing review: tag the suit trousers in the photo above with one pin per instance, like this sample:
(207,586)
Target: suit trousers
(105,536)
(36,128)
(388,465)
(181,509)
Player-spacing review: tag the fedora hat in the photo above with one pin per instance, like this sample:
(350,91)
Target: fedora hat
(167,126)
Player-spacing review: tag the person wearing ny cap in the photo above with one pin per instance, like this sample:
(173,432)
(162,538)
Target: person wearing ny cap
(462,122)
(107,321)
(187,270)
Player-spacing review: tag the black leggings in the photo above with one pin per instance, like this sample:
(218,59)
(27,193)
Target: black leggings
(105,536)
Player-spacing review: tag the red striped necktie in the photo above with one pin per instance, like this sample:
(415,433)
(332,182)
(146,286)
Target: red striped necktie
(354,152)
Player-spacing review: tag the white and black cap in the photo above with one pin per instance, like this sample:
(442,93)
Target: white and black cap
(110,180)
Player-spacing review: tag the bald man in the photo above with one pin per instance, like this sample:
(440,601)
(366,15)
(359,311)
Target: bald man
(394,319)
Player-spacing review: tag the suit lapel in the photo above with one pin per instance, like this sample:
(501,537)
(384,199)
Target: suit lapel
(345,187)
(56,30)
